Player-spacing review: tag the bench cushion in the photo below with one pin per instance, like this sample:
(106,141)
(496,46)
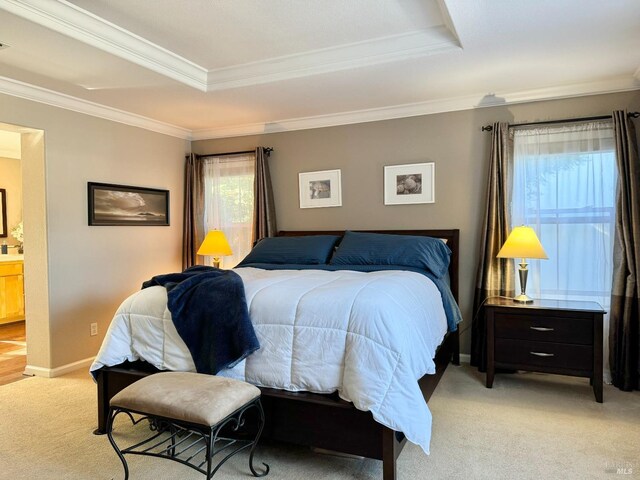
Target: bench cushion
(189,397)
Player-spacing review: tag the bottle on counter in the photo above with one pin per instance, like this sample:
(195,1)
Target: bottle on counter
(5,248)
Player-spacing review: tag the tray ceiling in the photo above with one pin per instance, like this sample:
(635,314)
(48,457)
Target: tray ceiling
(202,69)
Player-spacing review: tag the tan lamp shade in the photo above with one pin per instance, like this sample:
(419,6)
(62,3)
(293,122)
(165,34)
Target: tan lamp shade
(215,244)
(522,243)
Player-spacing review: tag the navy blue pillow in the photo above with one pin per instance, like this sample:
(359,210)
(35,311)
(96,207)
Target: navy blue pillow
(307,250)
(427,253)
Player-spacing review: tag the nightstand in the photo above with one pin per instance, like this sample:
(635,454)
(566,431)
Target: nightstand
(550,336)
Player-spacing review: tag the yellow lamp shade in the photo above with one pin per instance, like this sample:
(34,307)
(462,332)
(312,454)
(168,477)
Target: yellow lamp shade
(215,244)
(522,243)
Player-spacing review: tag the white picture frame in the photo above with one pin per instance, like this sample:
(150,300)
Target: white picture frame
(409,184)
(320,189)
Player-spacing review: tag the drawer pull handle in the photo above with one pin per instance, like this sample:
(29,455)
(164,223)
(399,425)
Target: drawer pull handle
(541,354)
(542,329)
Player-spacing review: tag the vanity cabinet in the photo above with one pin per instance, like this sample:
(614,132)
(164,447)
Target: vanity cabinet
(11,291)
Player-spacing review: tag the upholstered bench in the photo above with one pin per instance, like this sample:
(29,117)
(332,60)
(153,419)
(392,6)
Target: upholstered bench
(191,417)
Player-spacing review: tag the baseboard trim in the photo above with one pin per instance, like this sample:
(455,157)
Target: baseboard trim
(31,370)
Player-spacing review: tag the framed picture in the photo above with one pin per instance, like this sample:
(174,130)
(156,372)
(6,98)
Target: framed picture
(320,189)
(125,205)
(406,184)
(3,212)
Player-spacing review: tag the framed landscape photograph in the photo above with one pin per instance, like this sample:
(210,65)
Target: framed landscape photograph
(3,212)
(125,205)
(320,189)
(407,184)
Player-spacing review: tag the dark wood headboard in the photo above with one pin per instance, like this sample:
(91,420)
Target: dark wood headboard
(452,236)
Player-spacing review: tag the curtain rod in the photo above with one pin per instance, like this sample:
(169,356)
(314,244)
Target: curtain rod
(489,128)
(267,150)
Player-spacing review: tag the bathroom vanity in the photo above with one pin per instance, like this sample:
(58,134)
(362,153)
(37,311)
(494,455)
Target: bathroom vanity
(11,288)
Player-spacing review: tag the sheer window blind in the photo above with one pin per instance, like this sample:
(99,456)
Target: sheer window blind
(564,185)
(228,199)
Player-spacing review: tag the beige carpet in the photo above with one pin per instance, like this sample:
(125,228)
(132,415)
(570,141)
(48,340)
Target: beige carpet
(529,426)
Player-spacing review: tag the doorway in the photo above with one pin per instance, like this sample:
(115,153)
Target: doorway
(24,342)
(13,354)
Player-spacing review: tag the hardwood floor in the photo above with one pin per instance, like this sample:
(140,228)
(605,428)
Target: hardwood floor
(13,352)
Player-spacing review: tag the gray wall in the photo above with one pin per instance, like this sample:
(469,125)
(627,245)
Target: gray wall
(90,269)
(454,141)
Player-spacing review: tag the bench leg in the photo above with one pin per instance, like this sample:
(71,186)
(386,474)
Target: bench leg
(255,444)
(111,416)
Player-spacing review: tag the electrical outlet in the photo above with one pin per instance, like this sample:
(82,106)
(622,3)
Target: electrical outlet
(94,329)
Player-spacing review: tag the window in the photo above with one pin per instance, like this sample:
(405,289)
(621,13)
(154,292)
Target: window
(228,201)
(564,186)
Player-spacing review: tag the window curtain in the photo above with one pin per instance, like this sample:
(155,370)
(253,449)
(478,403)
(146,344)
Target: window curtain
(193,231)
(564,187)
(264,212)
(494,276)
(245,212)
(625,314)
(229,201)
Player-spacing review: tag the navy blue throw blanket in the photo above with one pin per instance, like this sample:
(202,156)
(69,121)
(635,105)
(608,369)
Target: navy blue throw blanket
(209,310)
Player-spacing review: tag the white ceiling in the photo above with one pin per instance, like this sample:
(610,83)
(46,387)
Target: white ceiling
(206,69)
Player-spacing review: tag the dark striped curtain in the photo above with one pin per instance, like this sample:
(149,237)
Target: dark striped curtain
(495,276)
(264,209)
(193,227)
(624,330)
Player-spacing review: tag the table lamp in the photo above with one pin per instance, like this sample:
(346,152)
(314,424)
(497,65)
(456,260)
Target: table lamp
(522,243)
(215,244)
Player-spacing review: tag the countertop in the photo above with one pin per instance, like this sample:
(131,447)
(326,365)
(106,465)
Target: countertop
(12,257)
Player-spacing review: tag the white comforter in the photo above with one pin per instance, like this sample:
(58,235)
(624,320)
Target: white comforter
(369,336)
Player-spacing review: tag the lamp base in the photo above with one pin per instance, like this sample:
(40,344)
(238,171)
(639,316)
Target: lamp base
(523,298)
(522,273)
(215,262)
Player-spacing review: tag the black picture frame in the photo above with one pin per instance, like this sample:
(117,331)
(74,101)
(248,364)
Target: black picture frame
(125,205)
(3,213)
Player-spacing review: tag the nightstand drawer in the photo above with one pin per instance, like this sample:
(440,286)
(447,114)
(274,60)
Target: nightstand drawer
(538,328)
(522,354)
(552,336)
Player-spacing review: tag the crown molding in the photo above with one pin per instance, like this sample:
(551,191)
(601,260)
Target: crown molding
(19,89)
(614,85)
(333,59)
(38,94)
(68,19)
(342,118)
(447,21)
(622,83)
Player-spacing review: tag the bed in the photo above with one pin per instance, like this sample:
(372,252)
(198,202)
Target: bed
(319,419)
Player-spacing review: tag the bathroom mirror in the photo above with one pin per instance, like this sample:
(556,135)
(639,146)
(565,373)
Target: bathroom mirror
(3,212)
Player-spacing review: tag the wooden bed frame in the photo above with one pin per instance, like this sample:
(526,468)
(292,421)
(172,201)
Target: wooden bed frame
(318,420)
